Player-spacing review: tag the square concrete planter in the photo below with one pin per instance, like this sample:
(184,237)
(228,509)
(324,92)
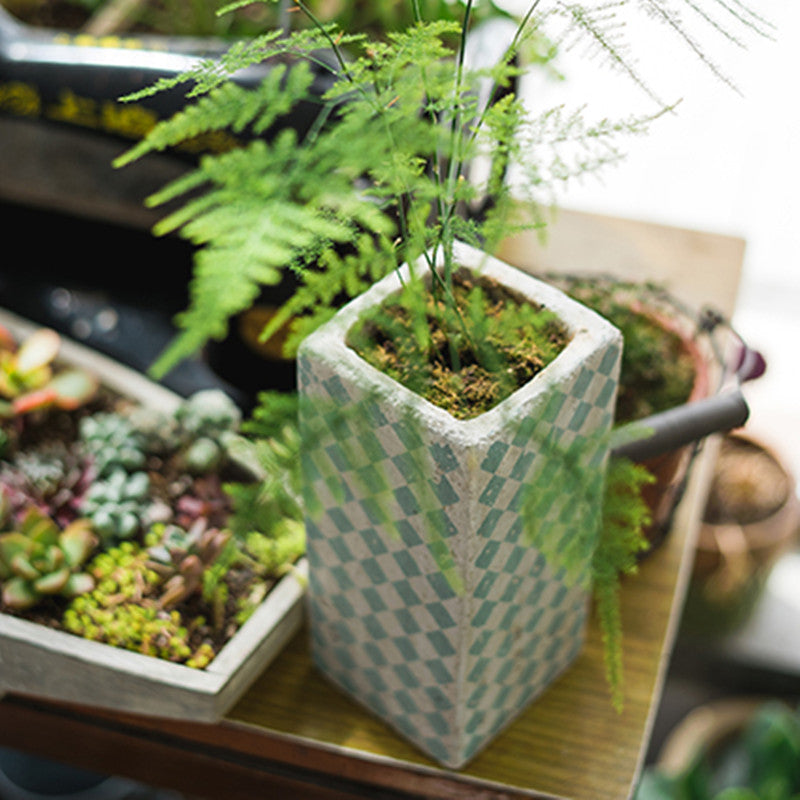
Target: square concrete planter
(54,665)
(427,602)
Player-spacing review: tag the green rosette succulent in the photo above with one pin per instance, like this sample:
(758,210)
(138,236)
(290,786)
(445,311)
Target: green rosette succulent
(118,504)
(158,430)
(39,559)
(207,420)
(113,443)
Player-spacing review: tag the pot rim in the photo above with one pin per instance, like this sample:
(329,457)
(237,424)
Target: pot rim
(588,331)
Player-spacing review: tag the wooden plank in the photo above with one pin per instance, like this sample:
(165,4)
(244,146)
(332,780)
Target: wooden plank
(697,266)
(89,742)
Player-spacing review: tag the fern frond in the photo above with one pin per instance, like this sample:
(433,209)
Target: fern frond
(660,11)
(334,279)
(229,106)
(561,145)
(714,23)
(601,29)
(208,73)
(625,517)
(748,17)
(737,15)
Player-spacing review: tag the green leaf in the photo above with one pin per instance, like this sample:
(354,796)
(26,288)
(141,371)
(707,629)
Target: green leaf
(18,594)
(655,785)
(78,584)
(76,542)
(73,388)
(11,545)
(52,583)
(22,566)
(37,351)
(39,528)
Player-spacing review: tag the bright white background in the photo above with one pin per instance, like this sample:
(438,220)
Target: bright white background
(726,162)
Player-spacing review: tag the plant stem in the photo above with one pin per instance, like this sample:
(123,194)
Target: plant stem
(509,54)
(317,22)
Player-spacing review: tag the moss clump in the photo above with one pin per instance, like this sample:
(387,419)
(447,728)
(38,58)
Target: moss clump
(276,552)
(656,372)
(465,356)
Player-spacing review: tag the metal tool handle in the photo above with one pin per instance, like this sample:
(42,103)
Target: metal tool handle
(679,426)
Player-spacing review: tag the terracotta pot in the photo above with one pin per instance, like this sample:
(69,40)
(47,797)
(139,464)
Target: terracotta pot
(751,519)
(671,469)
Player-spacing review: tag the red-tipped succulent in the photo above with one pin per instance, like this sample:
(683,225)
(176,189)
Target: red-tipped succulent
(29,380)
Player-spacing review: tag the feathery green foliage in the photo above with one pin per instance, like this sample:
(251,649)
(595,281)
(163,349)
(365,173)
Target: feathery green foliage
(380,175)
(376,169)
(626,515)
(388,169)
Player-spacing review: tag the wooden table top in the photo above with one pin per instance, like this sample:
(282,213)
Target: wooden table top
(292,729)
(292,725)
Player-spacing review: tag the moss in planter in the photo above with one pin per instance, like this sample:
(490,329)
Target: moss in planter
(656,374)
(181,609)
(120,612)
(466,357)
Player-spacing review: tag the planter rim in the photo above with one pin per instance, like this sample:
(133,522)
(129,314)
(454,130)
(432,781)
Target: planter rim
(209,680)
(584,326)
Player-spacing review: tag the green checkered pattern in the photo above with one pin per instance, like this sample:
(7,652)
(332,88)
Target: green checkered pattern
(428,603)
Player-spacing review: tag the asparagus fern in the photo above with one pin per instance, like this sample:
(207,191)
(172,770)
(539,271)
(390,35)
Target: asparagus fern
(386,156)
(385,171)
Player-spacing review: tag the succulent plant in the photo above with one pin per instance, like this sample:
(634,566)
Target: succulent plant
(183,558)
(112,442)
(159,431)
(39,559)
(52,477)
(209,412)
(204,497)
(277,551)
(28,380)
(207,419)
(122,611)
(117,505)
(143,628)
